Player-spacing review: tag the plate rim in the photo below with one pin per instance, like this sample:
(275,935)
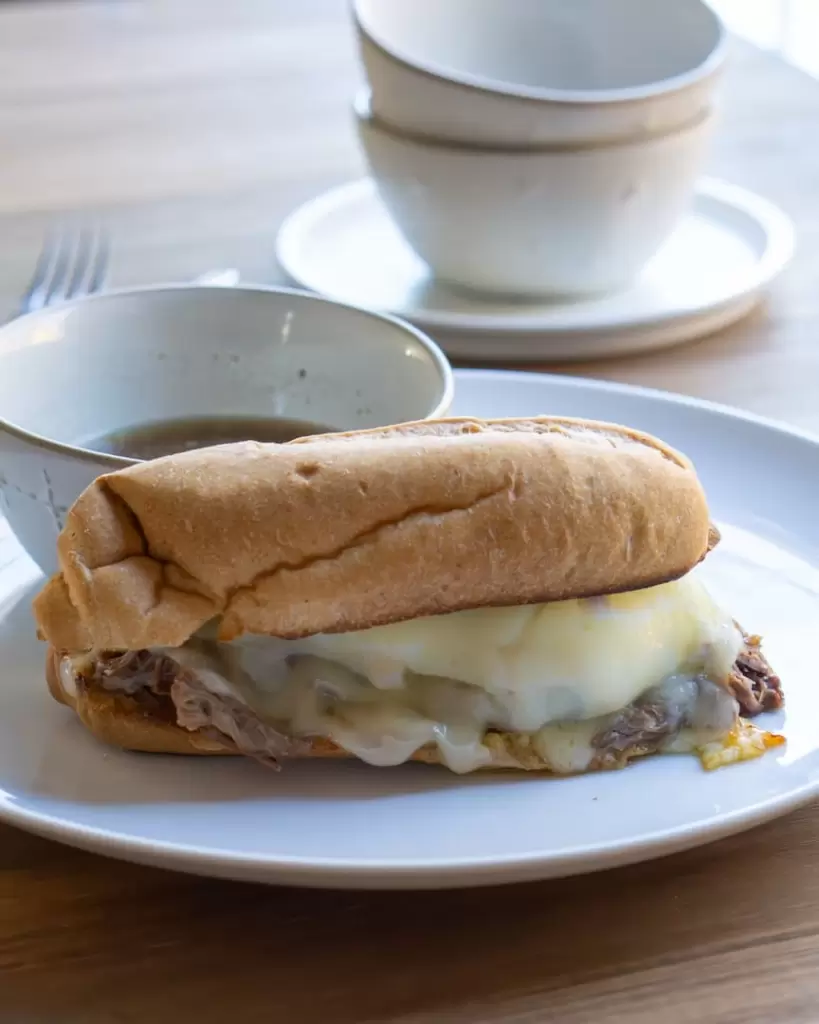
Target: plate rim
(778,250)
(328,872)
(449,872)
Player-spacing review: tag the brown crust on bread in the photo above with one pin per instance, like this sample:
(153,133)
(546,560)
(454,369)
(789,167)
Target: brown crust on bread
(52,674)
(347,531)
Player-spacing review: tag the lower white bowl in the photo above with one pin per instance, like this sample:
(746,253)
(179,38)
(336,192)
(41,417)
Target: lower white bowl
(555,220)
(73,373)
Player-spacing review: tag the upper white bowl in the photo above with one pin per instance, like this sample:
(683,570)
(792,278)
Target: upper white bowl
(534,72)
(121,359)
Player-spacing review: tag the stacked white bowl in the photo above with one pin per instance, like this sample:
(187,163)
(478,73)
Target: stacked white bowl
(537,147)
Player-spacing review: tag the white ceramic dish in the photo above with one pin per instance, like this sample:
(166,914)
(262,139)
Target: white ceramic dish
(529,72)
(77,372)
(567,221)
(728,247)
(353,826)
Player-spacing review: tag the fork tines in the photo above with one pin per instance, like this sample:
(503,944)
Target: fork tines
(72,262)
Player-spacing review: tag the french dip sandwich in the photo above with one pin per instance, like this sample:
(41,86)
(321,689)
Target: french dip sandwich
(516,594)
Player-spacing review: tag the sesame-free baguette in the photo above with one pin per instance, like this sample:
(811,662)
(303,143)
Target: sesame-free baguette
(347,531)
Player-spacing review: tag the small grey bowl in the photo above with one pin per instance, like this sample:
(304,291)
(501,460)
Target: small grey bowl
(82,370)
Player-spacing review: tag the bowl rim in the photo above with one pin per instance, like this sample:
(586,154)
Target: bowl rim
(366,117)
(467,82)
(81,454)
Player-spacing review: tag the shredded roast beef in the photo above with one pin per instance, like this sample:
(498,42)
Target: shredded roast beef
(134,671)
(659,715)
(197,708)
(753,683)
(642,727)
(176,694)
(647,723)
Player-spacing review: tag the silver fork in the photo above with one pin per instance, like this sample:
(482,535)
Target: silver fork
(72,262)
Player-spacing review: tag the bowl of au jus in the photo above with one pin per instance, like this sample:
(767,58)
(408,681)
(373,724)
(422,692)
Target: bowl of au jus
(100,383)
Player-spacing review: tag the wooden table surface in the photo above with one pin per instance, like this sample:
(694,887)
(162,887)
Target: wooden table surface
(193,126)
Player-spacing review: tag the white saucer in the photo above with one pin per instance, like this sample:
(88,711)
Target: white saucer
(345,824)
(731,244)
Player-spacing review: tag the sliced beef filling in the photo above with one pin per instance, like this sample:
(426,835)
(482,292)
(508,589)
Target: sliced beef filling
(659,715)
(162,686)
(753,683)
(141,675)
(197,708)
(136,671)
(646,725)
(641,728)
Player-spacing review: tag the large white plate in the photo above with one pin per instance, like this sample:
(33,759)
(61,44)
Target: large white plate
(725,250)
(350,825)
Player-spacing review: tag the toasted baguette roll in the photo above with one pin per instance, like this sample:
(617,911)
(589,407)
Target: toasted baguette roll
(347,531)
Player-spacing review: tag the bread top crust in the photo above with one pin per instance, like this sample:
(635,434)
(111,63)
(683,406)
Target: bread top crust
(347,531)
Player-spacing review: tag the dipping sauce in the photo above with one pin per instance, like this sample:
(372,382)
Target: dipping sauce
(166,437)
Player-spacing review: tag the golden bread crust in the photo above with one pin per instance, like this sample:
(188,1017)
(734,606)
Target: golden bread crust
(344,532)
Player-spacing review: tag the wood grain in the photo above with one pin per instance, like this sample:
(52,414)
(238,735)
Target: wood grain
(192,127)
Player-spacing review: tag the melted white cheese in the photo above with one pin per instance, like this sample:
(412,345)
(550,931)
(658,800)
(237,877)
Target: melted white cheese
(548,662)
(553,671)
